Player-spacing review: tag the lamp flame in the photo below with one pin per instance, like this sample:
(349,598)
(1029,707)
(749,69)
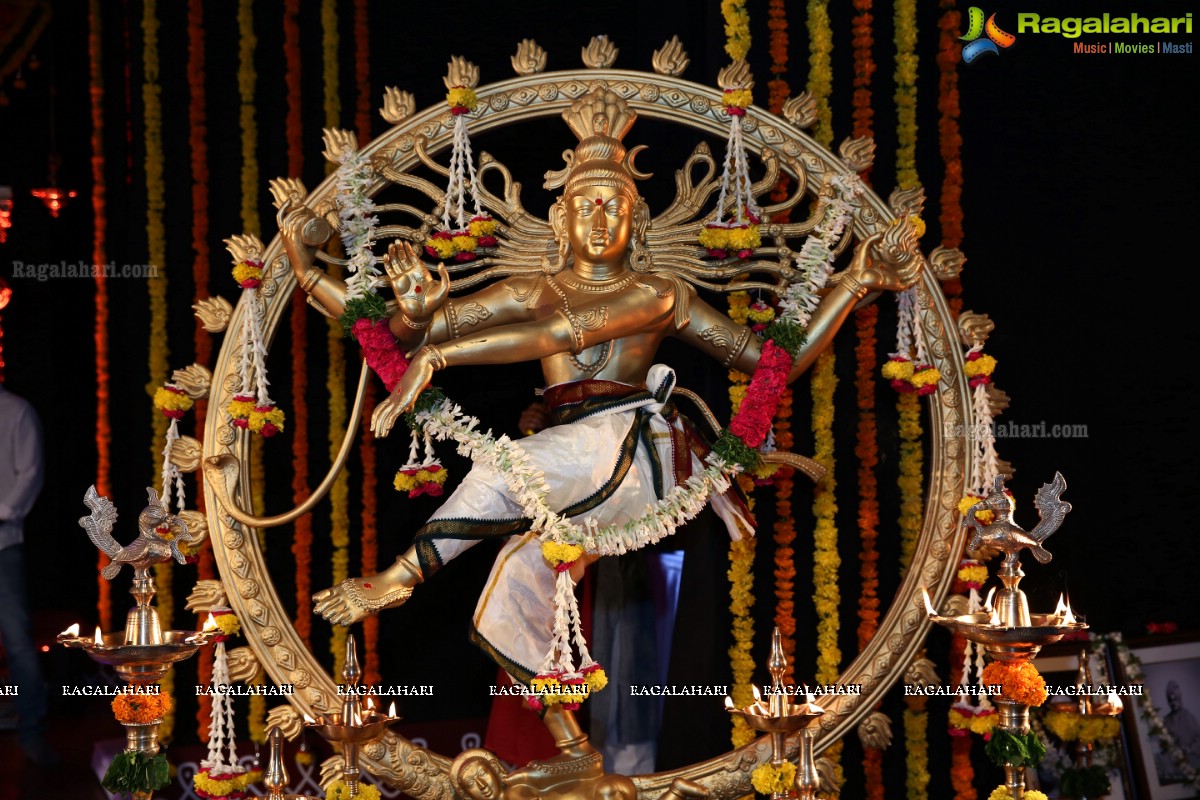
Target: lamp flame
(1116,705)
(729,706)
(757,696)
(994,619)
(99,638)
(309,720)
(356,718)
(1063,609)
(987,601)
(929,609)
(392,710)
(71,631)
(370,704)
(210,624)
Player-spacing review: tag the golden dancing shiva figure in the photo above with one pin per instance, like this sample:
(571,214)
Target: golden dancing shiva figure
(595,318)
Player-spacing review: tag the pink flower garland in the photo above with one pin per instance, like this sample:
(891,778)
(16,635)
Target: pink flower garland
(753,419)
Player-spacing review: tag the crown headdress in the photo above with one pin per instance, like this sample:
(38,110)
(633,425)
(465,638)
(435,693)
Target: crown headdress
(600,119)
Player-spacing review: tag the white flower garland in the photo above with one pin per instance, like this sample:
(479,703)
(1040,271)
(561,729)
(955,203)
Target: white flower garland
(462,177)
(736,170)
(815,260)
(171,475)
(527,483)
(528,486)
(1132,667)
(357,212)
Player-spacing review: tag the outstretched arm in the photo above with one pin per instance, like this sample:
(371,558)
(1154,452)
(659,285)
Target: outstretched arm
(714,333)
(562,332)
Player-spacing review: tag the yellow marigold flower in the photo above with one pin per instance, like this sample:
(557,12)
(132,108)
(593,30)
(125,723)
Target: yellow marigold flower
(769,779)
(1001,793)
(982,724)
(744,238)
(240,409)
(561,552)
(404,482)
(765,314)
(243,272)
(442,246)
(984,365)
(167,400)
(738,98)
(465,244)
(228,623)
(338,790)
(715,238)
(976,573)
(462,97)
(482,227)
(926,377)
(259,419)
(898,370)
(596,680)
(1093,728)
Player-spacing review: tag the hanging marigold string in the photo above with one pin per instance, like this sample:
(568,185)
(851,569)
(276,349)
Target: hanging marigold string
(950,140)
(741,601)
(862,40)
(362,72)
(202,340)
(370,544)
(820,72)
(867,451)
(916,741)
(100,326)
(785,523)
(737,28)
(906,93)
(156,248)
(339,495)
(741,559)
(370,541)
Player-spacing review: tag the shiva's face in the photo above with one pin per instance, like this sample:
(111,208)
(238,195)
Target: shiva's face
(599,224)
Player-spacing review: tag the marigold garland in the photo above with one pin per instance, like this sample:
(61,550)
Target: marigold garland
(156,247)
(867,451)
(949,136)
(962,774)
(1071,726)
(370,534)
(224,785)
(362,73)
(820,72)
(916,742)
(912,458)
(339,494)
(785,536)
(201,339)
(1002,793)
(302,527)
(741,601)
(862,40)
(826,558)
(100,324)
(905,76)
(769,779)
(247,77)
(338,790)
(1021,682)
(737,28)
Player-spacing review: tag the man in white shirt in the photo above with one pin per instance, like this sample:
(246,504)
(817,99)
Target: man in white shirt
(20,483)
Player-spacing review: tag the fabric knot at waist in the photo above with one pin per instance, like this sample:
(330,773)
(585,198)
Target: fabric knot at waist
(571,402)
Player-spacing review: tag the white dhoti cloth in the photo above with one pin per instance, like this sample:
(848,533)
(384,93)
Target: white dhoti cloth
(617,455)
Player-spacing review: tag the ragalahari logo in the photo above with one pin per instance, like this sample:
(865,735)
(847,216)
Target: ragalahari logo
(976,27)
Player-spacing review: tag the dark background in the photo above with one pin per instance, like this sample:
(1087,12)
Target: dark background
(1080,186)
